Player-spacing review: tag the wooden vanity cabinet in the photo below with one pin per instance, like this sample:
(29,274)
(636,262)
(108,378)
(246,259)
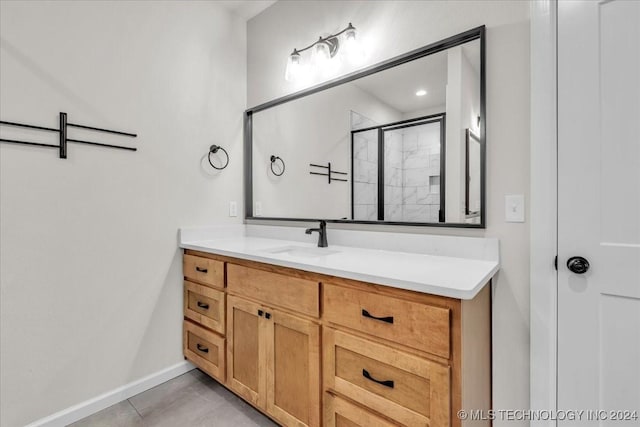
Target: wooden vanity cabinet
(274,356)
(409,358)
(308,349)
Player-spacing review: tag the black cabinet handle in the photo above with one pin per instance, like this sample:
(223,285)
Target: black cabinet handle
(260,313)
(203,305)
(201,270)
(202,349)
(267,315)
(367,375)
(388,319)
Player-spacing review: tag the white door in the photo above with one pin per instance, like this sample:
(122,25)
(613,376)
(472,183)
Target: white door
(599,207)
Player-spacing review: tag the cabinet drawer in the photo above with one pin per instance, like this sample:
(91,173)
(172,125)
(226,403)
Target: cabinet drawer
(406,388)
(341,413)
(293,293)
(205,349)
(416,325)
(204,305)
(204,270)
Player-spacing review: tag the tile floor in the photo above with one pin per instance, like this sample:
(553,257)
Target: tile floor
(190,400)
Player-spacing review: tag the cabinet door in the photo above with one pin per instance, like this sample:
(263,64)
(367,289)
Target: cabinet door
(246,350)
(293,370)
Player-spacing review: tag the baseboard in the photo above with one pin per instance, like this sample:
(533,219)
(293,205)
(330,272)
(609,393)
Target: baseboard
(98,403)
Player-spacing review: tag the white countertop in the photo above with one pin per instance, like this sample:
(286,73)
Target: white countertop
(449,276)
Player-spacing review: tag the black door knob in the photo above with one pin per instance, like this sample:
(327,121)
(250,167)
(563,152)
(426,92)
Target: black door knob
(578,264)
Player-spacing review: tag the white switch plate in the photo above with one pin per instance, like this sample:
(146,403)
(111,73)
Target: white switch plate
(514,208)
(233,209)
(258,210)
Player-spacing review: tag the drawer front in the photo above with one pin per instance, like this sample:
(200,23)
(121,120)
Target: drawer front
(204,305)
(341,413)
(411,390)
(205,349)
(204,270)
(420,326)
(275,289)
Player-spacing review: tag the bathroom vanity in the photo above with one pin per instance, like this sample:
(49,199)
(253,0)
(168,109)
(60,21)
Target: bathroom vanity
(345,335)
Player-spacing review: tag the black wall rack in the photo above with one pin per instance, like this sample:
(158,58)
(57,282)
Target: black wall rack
(329,172)
(62,130)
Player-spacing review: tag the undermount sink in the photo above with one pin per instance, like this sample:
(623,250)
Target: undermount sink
(302,251)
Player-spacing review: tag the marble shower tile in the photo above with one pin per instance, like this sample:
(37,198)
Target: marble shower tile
(416,177)
(359,148)
(416,159)
(393,212)
(409,195)
(365,194)
(417,213)
(392,195)
(393,176)
(365,212)
(364,171)
(410,142)
(434,161)
(372,150)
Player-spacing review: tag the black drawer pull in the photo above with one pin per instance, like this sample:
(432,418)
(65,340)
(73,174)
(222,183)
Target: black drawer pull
(388,319)
(201,270)
(367,375)
(202,348)
(203,305)
(260,313)
(267,315)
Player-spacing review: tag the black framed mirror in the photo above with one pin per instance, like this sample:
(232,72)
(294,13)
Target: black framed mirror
(401,142)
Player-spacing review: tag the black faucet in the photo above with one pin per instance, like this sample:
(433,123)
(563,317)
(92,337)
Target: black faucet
(322,234)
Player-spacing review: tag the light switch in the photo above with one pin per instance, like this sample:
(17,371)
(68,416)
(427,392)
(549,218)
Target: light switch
(514,208)
(258,210)
(233,209)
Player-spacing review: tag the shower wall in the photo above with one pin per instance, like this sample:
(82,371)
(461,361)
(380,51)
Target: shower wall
(365,169)
(412,173)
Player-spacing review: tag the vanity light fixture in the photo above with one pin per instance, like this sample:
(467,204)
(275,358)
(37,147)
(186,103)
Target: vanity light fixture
(324,53)
(421,92)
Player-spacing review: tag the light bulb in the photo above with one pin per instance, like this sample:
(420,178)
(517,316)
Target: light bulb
(322,55)
(352,45)
(294,67)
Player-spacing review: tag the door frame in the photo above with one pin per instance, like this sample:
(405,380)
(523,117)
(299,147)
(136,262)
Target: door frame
(543,209)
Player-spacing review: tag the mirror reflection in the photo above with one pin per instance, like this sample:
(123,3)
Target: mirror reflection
(401,145)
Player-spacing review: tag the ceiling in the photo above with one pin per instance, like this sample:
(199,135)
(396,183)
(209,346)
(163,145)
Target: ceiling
(246,9)
(397,86)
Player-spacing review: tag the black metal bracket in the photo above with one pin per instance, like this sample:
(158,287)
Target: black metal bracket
(329,172)
(64,139)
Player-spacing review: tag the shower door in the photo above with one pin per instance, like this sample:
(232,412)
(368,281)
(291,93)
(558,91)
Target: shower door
(398,172)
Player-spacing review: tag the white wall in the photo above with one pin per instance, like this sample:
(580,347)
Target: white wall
(463,107)
(91,288)
(395,27)
(310,130)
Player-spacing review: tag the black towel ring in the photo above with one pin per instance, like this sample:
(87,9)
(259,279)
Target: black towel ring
(273,160)
(214,149)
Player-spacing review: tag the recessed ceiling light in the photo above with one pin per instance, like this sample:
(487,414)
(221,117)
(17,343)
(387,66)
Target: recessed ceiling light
(421,92)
